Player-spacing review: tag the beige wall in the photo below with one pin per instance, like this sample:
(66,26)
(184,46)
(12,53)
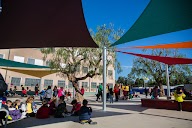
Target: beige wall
(36,54)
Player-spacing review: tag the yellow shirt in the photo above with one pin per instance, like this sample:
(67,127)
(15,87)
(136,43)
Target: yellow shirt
(126,88)
(179,98)
(29,108)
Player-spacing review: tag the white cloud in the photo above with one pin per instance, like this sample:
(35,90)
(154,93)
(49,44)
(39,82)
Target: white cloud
(126,67)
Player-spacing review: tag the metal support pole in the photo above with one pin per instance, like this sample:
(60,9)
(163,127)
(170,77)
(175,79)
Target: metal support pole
(104,77)
(167,79)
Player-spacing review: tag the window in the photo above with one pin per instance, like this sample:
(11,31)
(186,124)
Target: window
(70,85)
(85,84)
(1,56)
(35,61)
(47,63)
(61,83)
(48,83)
(85,69)
(93,85)
(31,61)
(15,81)
(78,68)
(110,73)
(19,59)
(32,82)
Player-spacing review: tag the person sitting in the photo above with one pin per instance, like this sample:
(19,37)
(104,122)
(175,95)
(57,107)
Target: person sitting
(43,111)
(76,108)
(52,106)
(13,113)
(85,114)
(34,106)
(61,110)
(20,106)
(24,92)
(29,107)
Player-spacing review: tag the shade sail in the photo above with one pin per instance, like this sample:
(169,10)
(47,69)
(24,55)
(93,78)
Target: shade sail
(43,23)
(166,60)
(10,63)
(160,17)
(32,72)
(168,46)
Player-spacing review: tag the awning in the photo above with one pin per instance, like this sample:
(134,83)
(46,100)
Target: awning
(168,46)
(160,17)
(10,63)
(43,23)
(31,71)
(166,60)
(28,69)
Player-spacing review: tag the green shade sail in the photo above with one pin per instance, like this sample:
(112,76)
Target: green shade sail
(160,17)
(9,63)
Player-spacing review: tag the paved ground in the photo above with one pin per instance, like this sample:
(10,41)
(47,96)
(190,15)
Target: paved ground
(119,114)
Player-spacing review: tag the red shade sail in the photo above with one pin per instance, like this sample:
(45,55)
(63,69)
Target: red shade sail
(168,46)
(43,23)
(166,60)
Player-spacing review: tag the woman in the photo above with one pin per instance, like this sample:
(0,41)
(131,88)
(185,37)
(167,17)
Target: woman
(48,93)
(61,93)
(55,91)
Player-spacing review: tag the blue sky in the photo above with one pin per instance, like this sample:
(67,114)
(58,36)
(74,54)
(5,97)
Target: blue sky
(123,14)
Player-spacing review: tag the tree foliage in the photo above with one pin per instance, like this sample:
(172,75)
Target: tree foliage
(68,61)
(157,71)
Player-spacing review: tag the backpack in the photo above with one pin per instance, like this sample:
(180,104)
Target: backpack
(3,85)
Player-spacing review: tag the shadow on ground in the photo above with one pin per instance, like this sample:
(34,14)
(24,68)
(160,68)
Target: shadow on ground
(137,108)
(31,122)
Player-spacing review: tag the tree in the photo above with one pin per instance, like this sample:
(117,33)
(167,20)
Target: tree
(156,70)
(139,82)
(67,61)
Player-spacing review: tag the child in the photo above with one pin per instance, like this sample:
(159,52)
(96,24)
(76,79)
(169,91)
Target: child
(76,108)
(43,111)
(42,94)
(13,113)
(29,107)
(85,114)
(24,92)
(61,110)
(20,106)
(52,106)
(34,106)
(179,95)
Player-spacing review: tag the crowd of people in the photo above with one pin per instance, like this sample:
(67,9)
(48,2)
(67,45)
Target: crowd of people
(117,92)
(53,104)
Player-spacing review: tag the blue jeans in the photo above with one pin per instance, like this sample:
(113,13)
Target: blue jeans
(111,98)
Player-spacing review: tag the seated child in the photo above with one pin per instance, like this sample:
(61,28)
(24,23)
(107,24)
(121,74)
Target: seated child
(42,94)
(85,114)
(20,106)
(52,106)
(43,111)
(61,110)
(29,107)
(76,108)
(13,113)
(34,106)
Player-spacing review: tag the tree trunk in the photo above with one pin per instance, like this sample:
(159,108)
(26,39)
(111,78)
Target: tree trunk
(162,92)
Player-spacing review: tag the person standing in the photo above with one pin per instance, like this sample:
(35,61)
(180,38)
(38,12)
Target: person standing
(36,90)
(155,92)
(116,91)
(179,95)
(107,92)
(146,92)
(100,89)
(111,95)
(48,93)
(55,91)
(82,90)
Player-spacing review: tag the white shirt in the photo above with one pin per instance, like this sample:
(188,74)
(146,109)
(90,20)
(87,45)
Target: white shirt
(48,93)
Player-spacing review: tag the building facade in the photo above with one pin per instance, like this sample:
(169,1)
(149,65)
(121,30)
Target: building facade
(34,56)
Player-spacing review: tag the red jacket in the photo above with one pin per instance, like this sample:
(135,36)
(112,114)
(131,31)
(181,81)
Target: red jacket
(76,108)
(43,112)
